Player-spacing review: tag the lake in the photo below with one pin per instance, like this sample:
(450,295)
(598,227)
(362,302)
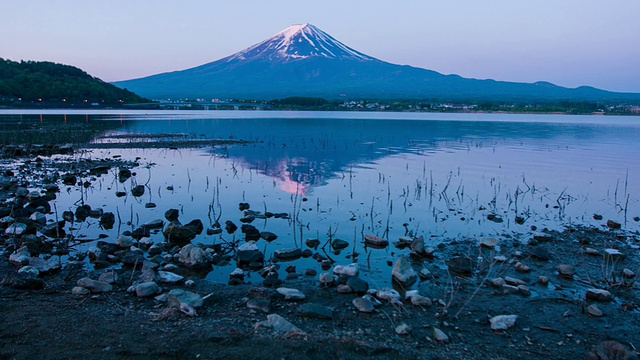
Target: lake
(345,174)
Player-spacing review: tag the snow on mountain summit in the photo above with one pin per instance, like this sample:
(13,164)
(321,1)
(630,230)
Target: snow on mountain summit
(299,41)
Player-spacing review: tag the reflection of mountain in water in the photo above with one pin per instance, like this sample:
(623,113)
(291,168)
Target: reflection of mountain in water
(306,153)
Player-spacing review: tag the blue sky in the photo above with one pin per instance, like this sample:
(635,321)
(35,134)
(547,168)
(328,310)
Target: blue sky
(567,42)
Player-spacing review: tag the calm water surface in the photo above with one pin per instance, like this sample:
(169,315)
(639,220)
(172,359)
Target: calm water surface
(435,175)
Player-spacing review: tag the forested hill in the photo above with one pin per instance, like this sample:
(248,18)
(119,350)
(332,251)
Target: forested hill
(29,83)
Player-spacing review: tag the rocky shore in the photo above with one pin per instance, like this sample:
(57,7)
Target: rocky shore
(561,295)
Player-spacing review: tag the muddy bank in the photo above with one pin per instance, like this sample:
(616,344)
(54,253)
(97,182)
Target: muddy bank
(550,295)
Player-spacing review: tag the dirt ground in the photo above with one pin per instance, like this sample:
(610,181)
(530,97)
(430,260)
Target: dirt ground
(553,321)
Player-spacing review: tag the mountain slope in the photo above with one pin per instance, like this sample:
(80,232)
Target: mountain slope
(302,60)
(47,82)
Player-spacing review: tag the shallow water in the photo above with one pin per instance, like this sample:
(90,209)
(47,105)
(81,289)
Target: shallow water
(435,175)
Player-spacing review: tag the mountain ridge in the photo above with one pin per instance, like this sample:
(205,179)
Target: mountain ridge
(303,60)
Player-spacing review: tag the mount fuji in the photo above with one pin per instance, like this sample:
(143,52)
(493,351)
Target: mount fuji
(303,60)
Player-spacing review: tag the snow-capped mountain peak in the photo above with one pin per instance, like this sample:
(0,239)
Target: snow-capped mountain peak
(299,41)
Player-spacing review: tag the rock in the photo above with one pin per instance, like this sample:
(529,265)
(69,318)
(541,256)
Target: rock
(593,310)
(520,267)
(109,277)
(513,281)
(358,285)
(176,233)
(147,289)
(503,322)
(344,289)
(540,253)
(339,244)
(613,225)
(403,329)
(542,237)
(244,206)
(598,295)
(611,350)
(363,304)
(22,281)
(592,252)
(45,266)
(498,282)
(154,224)
(172,215)
(20,257)
(268,236)
(416,299)
(287,254)
(316,311)
(137,191)
(16,229)
(249,255)
(54,230)
(543,280)
(310,272)
(178,297)
(500,258)
(628,274)
(389,295)
(403,273)
(488,243)
(169,277)
(375,242)
(291,294)
(230,227)
(279,324)
(95,286)
(251,233)
(133,258)
(565,271)
(195,225)
(417,246)
(107,220)
(79,290)
(29,270)
(326,279)
(440,336)
(524,290)
(461,265)
(613,254)
(259,304)
(125,241)
(313,243)
(347,270)
(194,257)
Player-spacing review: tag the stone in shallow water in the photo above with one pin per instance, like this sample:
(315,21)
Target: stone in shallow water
(347,270)
(403,273)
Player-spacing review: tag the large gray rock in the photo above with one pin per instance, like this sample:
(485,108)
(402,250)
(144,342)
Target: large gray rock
(598,295)
(168,277)
(147,289)
(179,298)
(94,286)
(20,257)
(403,273)
(194,257)
(176,233)
(16,229)
(347,270)
(287,254)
